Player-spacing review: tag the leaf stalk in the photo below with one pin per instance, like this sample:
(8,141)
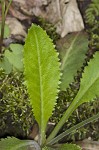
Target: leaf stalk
(79,125)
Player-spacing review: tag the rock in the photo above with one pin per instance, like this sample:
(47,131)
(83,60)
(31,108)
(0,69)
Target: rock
(15,26)
(71,18)
(64,14)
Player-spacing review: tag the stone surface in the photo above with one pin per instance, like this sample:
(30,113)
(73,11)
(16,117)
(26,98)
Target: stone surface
(64,14)
(71,18)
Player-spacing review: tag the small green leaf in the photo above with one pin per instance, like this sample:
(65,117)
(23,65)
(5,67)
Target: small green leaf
(89,85)
(72,52)
(42,73)
(15,56)
(16,48)
(16,144)
(6,65)
(69,147)
(6,31)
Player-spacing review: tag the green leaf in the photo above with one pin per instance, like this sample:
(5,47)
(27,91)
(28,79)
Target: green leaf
(15,56)
(72,52)
(64,147)
(42,73)
(89,89)
(16,144)
(5,64)
(89,85)
(48,148)
(6,31)
(69,147)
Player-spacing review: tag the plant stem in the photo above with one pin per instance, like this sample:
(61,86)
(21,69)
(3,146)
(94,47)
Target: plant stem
(65,117)
(4,14)
(6,11)
(79,125)
(2,24)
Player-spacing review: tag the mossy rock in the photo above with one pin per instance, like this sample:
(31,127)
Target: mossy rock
(16,117)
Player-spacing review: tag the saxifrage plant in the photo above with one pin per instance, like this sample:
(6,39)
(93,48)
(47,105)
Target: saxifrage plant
(42,75)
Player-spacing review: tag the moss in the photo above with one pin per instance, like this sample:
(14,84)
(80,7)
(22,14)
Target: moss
(50,29)
(16,116)
(92,22)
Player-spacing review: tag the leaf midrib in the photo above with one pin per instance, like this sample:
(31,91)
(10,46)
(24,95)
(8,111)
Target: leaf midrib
(68,52)
(40,74)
